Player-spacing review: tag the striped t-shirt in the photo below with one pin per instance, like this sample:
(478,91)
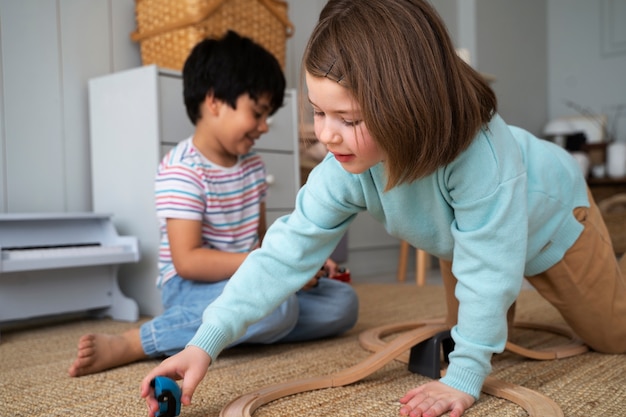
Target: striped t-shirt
(226,200)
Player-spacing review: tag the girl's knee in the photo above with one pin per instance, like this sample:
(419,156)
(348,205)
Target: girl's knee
(609,343)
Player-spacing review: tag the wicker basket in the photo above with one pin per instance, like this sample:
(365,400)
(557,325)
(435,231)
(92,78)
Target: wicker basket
(167,30)
(613,211)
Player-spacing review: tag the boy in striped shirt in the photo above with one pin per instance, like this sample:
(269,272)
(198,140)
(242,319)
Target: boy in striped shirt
(210,200)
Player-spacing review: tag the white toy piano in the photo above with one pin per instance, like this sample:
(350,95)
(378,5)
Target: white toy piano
(63,263)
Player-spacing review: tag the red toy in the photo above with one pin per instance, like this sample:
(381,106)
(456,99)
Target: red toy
(343,275)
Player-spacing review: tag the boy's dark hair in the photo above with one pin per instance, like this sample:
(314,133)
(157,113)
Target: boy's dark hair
(229,67)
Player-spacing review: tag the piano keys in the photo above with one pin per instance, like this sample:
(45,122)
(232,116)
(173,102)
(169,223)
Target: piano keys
(56,263)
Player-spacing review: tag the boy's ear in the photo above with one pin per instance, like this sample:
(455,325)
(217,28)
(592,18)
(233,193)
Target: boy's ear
(211,104)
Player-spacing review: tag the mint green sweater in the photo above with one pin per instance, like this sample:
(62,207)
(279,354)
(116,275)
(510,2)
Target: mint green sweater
(501,211)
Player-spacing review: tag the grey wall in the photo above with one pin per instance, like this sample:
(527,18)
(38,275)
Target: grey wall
(303,14)
(49,49)
(545,52)
(506,39)
(511,44)
(587,57)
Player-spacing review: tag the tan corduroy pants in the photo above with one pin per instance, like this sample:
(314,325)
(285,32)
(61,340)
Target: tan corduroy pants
(586,286)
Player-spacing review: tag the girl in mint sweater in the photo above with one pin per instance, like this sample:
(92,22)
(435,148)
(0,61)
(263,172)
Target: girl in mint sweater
(414,139)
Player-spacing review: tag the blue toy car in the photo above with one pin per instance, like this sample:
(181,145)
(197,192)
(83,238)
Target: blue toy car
(167,393)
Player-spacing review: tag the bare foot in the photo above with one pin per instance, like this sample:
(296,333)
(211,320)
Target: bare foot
(99,352)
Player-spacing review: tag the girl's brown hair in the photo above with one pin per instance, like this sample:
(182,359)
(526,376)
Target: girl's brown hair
(420,102)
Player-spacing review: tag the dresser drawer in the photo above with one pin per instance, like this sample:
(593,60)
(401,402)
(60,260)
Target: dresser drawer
(281,179)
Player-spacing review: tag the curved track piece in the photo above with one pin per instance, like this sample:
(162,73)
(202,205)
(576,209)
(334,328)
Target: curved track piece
(574,347)
(571,348)
(535,404)
(246,404)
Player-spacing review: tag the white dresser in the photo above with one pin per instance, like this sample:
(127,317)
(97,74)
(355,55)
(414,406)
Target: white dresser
(136,116)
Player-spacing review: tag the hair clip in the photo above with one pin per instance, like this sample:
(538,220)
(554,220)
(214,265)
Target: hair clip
(330,68)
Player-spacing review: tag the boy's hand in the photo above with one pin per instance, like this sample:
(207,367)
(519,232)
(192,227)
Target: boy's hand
(191,365)
(329,269)
(434,399)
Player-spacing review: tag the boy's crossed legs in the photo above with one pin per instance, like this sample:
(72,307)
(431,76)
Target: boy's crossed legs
(304,316)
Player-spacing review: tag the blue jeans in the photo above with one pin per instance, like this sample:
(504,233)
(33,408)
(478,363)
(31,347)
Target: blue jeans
(327,310)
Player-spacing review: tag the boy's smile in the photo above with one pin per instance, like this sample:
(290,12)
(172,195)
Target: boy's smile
(230,133)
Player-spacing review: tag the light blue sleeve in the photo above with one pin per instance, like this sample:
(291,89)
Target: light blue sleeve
(487,191)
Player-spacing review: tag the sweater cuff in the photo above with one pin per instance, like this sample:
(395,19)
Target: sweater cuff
(210,339)
(463,380)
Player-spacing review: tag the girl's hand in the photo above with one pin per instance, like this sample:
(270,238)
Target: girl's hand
(190,365)
(434,399)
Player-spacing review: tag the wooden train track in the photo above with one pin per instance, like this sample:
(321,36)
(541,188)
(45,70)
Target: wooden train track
(412,333)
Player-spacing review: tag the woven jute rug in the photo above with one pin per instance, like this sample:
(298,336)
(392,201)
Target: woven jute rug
(34,362)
